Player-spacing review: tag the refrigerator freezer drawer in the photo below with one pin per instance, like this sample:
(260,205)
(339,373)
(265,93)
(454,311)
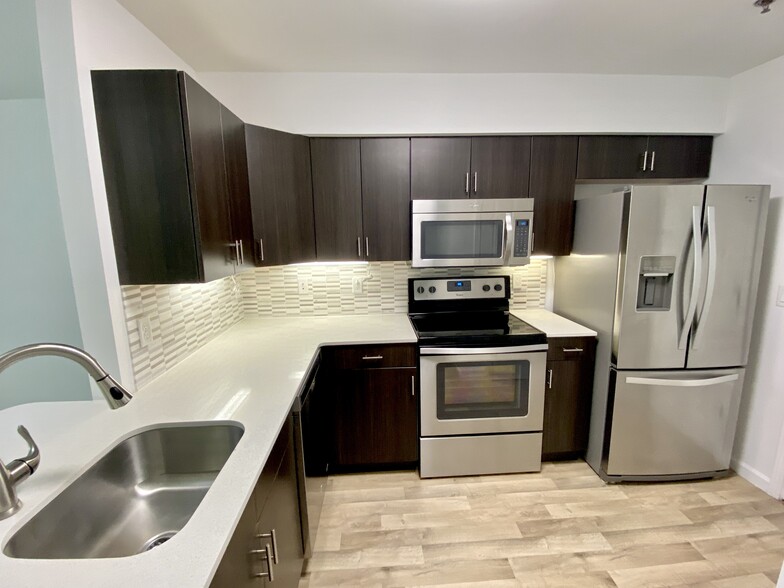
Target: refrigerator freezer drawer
(672,423)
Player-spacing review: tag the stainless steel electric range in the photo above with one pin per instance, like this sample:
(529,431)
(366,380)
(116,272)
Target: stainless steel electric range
(481,378)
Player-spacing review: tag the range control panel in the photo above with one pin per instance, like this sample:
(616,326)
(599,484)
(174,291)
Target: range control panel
(522,231)
(490,287)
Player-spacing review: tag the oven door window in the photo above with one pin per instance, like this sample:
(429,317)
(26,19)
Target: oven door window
(454,239)
(482,389)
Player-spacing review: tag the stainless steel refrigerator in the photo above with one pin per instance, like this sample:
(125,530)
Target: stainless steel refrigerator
(667,275)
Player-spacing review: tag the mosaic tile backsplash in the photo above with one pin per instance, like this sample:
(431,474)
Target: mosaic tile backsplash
(185,317)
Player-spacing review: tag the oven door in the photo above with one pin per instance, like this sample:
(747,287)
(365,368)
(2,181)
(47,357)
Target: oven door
(470,239)
(474,391)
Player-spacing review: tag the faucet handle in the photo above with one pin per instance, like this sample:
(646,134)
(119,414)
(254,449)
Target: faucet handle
(22,468)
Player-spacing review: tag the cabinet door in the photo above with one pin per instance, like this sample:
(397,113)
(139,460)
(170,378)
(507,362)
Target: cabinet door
(611,157)
(500,167)
(337,199)
(281,514)
(553,172)
(207,172)
(281,196)
(139,118)
(239,191)
(386,199)
(238,564)
(375,417)
(440,167)
(679,156)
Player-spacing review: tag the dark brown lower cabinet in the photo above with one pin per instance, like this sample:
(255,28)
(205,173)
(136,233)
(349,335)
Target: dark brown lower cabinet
(567,397)
(269,533)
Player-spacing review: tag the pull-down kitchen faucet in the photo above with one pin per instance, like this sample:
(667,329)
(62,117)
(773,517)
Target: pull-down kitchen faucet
(21,469)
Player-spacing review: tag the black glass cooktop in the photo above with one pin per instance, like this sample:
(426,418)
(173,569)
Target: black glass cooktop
(474,329)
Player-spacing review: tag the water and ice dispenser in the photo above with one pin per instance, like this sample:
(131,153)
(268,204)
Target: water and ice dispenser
(654,289)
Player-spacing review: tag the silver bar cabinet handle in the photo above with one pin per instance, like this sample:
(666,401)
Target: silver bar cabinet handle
(413,386)
(261,245)
(467,189)
(269,573)
(271,535)
(653,159)
(359,247)
(367,247)
(550,379)
(476,181)
(645,161)
(572,349)
(242,253)
(373,357)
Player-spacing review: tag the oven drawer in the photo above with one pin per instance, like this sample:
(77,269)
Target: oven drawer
(357,357)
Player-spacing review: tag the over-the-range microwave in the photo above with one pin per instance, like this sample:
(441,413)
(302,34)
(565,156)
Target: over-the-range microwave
(466,233)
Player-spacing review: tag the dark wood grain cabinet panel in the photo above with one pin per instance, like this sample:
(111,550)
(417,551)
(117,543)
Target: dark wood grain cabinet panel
(386,198)
(568,393)
(236,159)
(500,167)
(281,196)
(553,174)
(440,167)
(674,156)
(337,199)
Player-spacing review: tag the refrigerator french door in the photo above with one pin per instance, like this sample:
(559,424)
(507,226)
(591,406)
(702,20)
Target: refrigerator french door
(667,275)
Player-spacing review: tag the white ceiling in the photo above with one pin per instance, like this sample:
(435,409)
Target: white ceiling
(679,37)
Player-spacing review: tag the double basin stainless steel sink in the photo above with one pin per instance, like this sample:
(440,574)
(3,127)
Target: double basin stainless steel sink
(136,497)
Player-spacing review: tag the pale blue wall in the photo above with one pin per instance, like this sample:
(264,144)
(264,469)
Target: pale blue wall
(36,290)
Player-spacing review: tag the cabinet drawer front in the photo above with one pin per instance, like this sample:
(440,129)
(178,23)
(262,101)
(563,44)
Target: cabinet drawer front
(373,356)
(566,348)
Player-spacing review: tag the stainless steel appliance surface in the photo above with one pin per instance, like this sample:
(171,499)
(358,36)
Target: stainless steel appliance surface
(481,376)
(465,233)
(667,275)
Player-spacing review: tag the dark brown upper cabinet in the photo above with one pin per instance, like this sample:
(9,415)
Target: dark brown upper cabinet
(165,169)
(553,171)
(440,167)
(500,167)
(386,199)
(281,196)
(337,199)
(642,157)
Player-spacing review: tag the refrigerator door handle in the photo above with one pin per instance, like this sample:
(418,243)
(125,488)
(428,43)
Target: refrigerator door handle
(696,233)
(682,383)
(712,252)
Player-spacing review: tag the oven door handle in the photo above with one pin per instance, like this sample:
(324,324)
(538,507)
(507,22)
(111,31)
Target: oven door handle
(480,350)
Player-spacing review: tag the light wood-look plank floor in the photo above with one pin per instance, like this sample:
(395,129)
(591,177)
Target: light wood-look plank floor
(561,527)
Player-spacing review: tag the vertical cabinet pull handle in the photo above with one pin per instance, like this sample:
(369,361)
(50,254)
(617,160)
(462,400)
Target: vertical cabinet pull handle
(533,235)
(413,386)
(550,379)
(645,161)
(242,253)
(467,189)
(271,535)
(476,181)
(359,247)
(367,247)
(261,246)
(266,553)
(653,159)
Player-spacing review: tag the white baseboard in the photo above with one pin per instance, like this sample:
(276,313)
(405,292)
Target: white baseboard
(754,476)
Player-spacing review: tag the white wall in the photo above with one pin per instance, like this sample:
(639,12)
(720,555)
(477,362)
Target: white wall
(752,151)
(327,104)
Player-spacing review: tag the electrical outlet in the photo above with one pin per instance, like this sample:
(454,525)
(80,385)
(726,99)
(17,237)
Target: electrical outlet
(303,286)
(780,297)
(357,285)
(518,282)
(145,331)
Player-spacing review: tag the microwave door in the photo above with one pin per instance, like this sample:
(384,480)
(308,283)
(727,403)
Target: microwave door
(445,240)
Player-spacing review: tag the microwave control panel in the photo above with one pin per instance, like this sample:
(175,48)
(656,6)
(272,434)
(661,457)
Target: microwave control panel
(521,232)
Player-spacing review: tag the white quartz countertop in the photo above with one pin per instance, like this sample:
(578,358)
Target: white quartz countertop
(250,374)
(552,324)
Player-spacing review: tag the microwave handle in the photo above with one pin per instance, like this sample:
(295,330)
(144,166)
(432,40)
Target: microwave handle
(508,242)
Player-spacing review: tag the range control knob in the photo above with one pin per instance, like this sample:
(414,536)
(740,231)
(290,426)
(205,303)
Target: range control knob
(432,289)
(420,290)
(486,287)
(497,287)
